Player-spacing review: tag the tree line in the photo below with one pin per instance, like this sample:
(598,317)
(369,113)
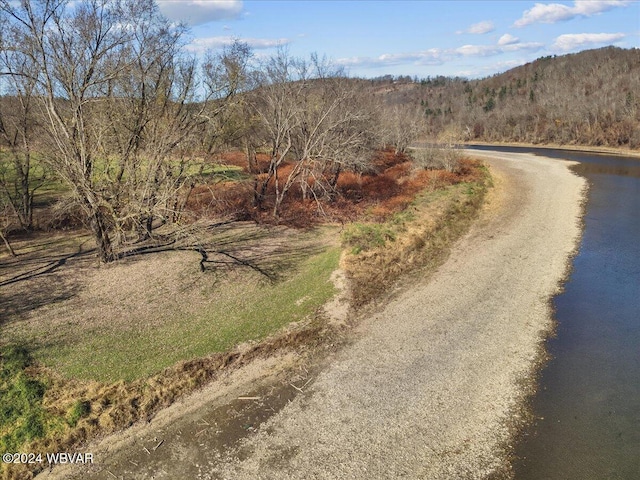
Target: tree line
(589,98)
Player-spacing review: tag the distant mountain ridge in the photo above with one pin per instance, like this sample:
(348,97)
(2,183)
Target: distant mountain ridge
(590,98)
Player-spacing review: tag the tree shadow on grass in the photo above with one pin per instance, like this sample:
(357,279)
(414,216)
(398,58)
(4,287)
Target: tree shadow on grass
(270,251)
(42,279)
(37,282)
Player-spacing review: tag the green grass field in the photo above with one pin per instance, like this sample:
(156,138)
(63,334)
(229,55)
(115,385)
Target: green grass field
(247,309)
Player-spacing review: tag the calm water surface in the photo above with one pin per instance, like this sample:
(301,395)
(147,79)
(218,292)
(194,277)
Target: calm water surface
(588,404)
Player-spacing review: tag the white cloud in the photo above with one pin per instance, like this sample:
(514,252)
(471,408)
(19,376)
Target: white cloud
(432,56)
(436,56)
(476,50)
(200,45)
(507,39)
(428,57)
(197,12)
(519,46)
(572,41)
(545,13)
(592,7)
(490,69)
(556,12)
(481,27)
(514,45)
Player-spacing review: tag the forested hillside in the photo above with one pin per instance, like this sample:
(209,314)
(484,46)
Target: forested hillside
(587,98)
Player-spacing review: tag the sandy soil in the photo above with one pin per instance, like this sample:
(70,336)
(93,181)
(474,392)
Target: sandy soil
(433,385)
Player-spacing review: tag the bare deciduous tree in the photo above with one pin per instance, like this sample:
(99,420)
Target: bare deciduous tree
(6,210)
(20,175)
(401,125)
(226,74)
(78,53)
(314,117)
(121,104)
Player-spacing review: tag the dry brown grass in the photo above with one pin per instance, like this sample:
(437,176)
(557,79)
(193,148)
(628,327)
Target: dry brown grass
(81,306)
(438,218)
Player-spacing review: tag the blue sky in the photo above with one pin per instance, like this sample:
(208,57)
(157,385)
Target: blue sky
(417,38)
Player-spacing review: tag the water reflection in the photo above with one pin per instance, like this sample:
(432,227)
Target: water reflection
(585,169)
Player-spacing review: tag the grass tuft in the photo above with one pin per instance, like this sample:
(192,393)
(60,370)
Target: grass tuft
(22,417)
(80,409)
(361,237)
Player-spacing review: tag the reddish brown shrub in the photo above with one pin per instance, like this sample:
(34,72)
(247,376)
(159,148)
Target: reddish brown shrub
(223,199)
(343,210)
(421,179)
(300,213)
(399,202)
(423,176)
(379,194)
(379,187)
(391,206)
(350,185)
(469,170)
(349,181)
(384,159)
(380,212)
(233,157)
(200,199)
(284,171)
(399,171)
(262,162)
(239,159)
(445,178)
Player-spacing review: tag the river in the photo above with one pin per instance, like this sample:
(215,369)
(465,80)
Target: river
(587,407)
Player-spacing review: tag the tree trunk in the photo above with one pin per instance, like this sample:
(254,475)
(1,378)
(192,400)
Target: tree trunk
(333,183)
(276,206)
(278,200)
(101,236)
(143,227)
(252,162)
(260,188)
(26,217)
(7,244)
(257,200)
(280,194)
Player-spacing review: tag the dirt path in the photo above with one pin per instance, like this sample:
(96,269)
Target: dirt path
(434,383)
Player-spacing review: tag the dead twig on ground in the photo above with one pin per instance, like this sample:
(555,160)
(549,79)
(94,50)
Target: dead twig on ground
(301,389)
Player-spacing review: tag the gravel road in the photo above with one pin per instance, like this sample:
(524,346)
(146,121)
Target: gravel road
(434,384)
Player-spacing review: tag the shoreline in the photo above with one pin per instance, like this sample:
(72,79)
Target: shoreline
(623,152)
(524,415)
